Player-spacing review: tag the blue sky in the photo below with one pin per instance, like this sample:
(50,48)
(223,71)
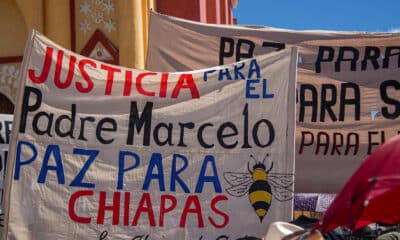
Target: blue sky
(344,15)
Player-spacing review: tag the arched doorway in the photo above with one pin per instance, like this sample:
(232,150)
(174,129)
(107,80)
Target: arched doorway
(6,106)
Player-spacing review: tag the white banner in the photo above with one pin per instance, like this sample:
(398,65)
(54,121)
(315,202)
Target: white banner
(348,88)
(105,152)
(6,121)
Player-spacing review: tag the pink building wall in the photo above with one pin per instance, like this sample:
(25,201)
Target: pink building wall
(207,11)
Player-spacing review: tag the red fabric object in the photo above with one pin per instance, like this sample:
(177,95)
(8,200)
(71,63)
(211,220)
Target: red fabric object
(372,195)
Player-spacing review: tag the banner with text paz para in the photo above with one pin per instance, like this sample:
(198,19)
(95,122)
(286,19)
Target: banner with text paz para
(348,88)
(109,152)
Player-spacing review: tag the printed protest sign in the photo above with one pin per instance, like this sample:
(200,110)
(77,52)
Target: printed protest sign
(106,152)
(5,135)
(348,88)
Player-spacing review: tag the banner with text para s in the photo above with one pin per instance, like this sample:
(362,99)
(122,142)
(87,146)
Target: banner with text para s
(348,87)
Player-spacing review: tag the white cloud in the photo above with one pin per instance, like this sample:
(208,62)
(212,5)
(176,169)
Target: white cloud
(394,30)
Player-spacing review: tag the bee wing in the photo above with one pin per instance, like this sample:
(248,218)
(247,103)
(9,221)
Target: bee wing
(236,178)
(240,183)
(239,190)
(281,185)
(282,179)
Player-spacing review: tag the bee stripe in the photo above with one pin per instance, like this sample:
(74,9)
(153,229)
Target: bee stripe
(260,196)
(260,205)
(260,185)
(259,175)
(261,212)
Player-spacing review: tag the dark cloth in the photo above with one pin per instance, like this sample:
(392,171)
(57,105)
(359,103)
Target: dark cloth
(336,234)
(304,222)
(249,238)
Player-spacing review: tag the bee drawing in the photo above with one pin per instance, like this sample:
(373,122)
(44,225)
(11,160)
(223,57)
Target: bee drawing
(260,185)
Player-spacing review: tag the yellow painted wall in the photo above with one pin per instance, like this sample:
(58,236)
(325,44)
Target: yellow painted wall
(53,19)
(13,29)
(57,21)
(32,10)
